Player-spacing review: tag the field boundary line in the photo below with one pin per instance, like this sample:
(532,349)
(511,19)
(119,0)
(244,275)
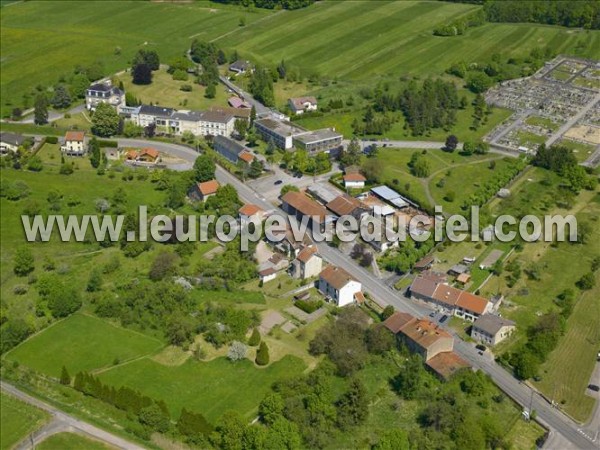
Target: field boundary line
(244,27)
(120,327)
(35,334)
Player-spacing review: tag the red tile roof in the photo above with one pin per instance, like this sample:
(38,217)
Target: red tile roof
(471,302)
(306,253)
(249,209)
(446,294)
(343,204)
(355,176)
(447,364)
(78,136)
(396,321)
(299,102)
(246,157)
(304,205)
(208,187)
(336,277)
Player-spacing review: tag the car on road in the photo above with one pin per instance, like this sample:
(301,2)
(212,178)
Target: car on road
(443,319)
(432,314)
(594,387)
(481,347)
(278,182)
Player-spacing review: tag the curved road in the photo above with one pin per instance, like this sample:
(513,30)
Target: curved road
(565,433)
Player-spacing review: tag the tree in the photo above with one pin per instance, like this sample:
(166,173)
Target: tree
(351,156)
(211,90)
(525,364)
(79,84)
(131,130)
(40,113)
(289,188)
(254,338)
(61,98)
(105,121)
(94,151)
(353,406)
(271,408)
(65,378)
(23,262)
(262,355)
(155,418)
(63,300)
(252,114)
(387,312)
(256,168)
(408,382)
(587,281)
(163,265)
(204,168)
(193,425)
(451,143)
(148,57)
(237,351)
(372,169)
(141,74)
(379,339)
(94,283)
(479,82)
(240,127)
(393,440)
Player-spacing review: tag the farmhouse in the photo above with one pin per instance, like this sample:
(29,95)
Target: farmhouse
(339,285)
(354,180)
(74,143)
(432,289)
(491,329)
(104,92)
(10,142)
(428,340)
(299,205)
(202,191)
(241,66)
(307,264)
(299,105)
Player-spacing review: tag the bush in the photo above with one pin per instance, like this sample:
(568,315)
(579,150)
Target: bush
(180,75)
(309,306)
(186,88)
(254,338)
(51,139)
(262,355)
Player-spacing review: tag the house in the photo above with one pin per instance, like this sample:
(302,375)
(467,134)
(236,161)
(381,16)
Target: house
(148,155)
(428,340)
(339,285)
(246,157)
(299,205)
(74,143)
(267,274)
(230,149)
(421,336)
(286,242)
(491,329)
(10,142)
(307,264)
(250,213)
(299,105)
(236,102)
(240,66)
(202,191)
(354,180)
(431,288)
(104,92)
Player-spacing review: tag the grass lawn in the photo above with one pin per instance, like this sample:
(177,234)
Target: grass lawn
(81,343)
(167,92)
(543,122)
(581,151)
(17,420)
(71,441)
(530,140)
(79,121)
(80,33)
(524,435)
(390,37)
(208,387)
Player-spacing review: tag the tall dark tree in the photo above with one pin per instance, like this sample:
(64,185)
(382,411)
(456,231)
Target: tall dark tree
(149,57)
(204,168)
(94,151)
(61,98)
(451,143)
(141,74)
(65,378)
(40,114)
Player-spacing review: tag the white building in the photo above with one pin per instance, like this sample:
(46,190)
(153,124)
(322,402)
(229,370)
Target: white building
(307,264)
(74,143)
(299,105)
(10,142)
(340,286)
(104,92)
(354,180)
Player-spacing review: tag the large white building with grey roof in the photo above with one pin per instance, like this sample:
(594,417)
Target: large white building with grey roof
(287,135)
(104,92)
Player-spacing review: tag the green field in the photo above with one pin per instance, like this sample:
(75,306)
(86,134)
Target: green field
(369,38)
(17,420)
(71,441)
(81,343)
(207,387)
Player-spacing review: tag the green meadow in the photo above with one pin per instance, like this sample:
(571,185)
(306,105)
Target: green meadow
(211,387)
(17,420)
(81,343)
(71,441)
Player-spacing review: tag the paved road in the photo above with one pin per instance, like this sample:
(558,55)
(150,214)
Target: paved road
(52,115)
(64,422)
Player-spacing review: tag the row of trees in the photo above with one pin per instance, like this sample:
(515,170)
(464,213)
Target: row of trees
(270,4)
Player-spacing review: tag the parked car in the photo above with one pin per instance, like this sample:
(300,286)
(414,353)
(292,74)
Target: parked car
(432,314)
(278,182)
(443,319)
(481,347)
(594,387)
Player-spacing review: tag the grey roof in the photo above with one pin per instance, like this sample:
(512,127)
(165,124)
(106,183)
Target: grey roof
(216,116)
(193,116)
(229,148)
(399,202)
(385,192)
(281,128)
(155,110)
(491,324)
(240,64)
(459,268)
(12,138)
(103,87)
(318,136)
